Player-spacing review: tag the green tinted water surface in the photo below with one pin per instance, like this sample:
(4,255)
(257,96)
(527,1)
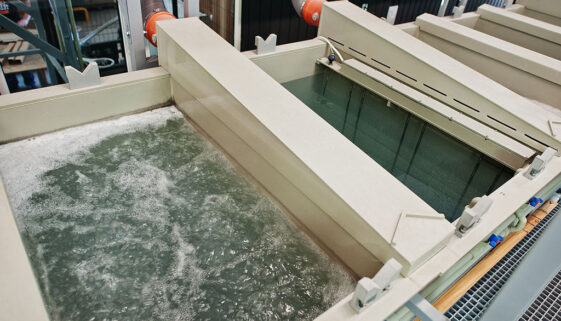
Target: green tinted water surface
(152,223)
(438,168)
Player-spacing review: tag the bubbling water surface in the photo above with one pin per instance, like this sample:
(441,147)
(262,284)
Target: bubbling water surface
(140,218)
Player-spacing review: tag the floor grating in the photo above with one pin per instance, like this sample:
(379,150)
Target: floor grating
(474,303)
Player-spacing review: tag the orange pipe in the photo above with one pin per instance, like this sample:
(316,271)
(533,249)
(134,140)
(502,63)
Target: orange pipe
(311,11)
(150,26)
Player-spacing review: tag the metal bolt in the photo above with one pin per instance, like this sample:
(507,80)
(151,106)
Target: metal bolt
(315,16)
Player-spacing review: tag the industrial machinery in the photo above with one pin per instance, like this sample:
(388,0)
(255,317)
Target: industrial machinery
(409,153)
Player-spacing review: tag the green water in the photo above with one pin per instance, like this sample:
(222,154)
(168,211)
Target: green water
(142,219)
(438,168)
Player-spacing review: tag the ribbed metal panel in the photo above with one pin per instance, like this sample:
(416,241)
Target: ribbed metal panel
(263,17)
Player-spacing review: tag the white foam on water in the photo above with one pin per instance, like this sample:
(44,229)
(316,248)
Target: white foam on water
(23,162)
(136,219)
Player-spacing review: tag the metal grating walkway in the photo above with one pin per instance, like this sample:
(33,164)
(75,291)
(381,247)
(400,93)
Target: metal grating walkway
(547,305)
(474,303)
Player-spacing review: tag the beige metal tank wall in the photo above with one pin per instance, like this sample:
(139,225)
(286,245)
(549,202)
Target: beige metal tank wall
(518,29)
(314,171)
(542,16)
(291,61)
(523,71)
(545,16)
(20,298)
(297,60)
(48,109)
(548,7)
(410,27)
(408,59)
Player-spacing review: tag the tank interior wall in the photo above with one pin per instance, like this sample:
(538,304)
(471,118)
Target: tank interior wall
(402,143)
(505,70)
(305,211)
(545,10)
(48,109)
(519,37)
(266,135)
(541,16)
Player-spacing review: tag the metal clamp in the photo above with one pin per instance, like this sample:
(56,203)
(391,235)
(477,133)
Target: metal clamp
(539,163)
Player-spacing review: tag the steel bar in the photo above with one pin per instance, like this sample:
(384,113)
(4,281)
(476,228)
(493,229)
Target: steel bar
(98,30)
(61,16)
(58,68)
(20,53)
(31,38)
(77,46)
(36,15)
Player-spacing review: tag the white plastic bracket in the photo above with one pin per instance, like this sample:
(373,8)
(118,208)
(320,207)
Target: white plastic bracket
(392,13)
(90,76)
(266,46)
(539,163)
(368,290)
(458,11)
(472,215)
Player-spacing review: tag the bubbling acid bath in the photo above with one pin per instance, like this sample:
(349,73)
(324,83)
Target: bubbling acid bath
(140,218)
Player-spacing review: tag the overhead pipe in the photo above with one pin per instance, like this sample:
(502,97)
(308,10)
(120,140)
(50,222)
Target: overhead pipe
(152,12)
(310,10)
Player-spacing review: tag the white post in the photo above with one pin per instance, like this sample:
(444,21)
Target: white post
(191,8)
(458,11)
(392,13)
(443,7)
(238,24)
(4,90)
